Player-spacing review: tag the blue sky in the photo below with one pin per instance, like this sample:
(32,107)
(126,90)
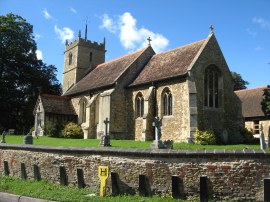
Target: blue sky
(242,28)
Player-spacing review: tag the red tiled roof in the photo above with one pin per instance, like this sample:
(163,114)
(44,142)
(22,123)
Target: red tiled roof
(251,101)
(105,74)
(169,64)
(57,104)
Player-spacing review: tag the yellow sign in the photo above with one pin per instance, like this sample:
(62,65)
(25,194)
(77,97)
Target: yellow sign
(103,172)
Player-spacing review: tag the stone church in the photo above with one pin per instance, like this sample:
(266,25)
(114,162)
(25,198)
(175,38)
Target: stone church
(189,88)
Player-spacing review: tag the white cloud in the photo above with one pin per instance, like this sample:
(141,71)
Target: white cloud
(132,37)
(46,14)
(258,48)
(39,54)
(265,24)
(251,33)
(107,23)
(73,10)
(37,36)
(64,34)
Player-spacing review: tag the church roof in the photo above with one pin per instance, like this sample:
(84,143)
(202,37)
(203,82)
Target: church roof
(105,74)
(169,64)
(251,102)
(57,104)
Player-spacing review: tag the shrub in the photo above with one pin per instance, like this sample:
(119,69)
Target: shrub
(247,135)
(72,130)
(205,138)
(53,129)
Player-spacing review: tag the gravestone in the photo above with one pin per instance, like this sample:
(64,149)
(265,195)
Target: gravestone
(3,137)
(105,138)
(158,144)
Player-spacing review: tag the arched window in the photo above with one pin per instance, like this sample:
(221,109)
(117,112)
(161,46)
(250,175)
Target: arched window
(70,59)
(82,115)
(90,57)
(139,105)
(167,102)
(211,87)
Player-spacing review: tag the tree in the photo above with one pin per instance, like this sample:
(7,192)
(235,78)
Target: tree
(239,82)
(266,101)
(21,73)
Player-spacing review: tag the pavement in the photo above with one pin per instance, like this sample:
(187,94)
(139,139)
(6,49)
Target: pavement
(6,197)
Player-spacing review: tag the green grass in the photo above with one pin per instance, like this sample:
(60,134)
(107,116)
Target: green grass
(49,191)
(50,141)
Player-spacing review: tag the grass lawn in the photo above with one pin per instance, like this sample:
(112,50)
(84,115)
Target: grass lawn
(50,141)
(49,191)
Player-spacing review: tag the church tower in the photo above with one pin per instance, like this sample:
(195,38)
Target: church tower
(80,57)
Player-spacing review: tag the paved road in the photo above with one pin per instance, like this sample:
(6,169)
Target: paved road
(5,197)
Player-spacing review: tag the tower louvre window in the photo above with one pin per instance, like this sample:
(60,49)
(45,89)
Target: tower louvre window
(91,57)
(70,59)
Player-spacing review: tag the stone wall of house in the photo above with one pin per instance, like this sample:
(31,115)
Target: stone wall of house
(232,175)
(228,114)
(265,124)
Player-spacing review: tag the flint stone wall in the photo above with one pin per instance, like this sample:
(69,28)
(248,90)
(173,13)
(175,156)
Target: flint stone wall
(232,175)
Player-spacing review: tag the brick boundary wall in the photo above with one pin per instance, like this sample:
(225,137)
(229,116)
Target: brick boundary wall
(236,175)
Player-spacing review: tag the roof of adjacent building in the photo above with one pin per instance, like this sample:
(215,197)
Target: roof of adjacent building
(251,101)
(57,104)
(105,74)
(169,64)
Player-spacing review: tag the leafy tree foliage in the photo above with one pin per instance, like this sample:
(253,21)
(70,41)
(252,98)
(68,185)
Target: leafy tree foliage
(239,82)
(266,101)
(21,73)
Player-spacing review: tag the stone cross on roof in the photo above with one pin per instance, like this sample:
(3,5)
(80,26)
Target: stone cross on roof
(149,40)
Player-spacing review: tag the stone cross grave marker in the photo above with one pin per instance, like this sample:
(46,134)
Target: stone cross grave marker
(105,139)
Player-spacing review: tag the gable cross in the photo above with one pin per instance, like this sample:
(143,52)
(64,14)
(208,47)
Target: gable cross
(211,28)
(149,40)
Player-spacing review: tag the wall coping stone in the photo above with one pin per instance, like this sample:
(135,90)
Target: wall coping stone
(164,153)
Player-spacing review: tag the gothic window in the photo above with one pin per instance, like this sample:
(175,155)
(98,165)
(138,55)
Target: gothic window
(139,105)
(82,115)
(211,87)
(167,102)
(70,58)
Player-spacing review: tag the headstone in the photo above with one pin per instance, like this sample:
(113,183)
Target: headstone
(63,176)
(6,168)
(225,137)
(203,189)
(28,139)
(37,175)
(105,138)
(3,137)
(266,186)
(80,178)
(23,171)
(262,139)
(115,187)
